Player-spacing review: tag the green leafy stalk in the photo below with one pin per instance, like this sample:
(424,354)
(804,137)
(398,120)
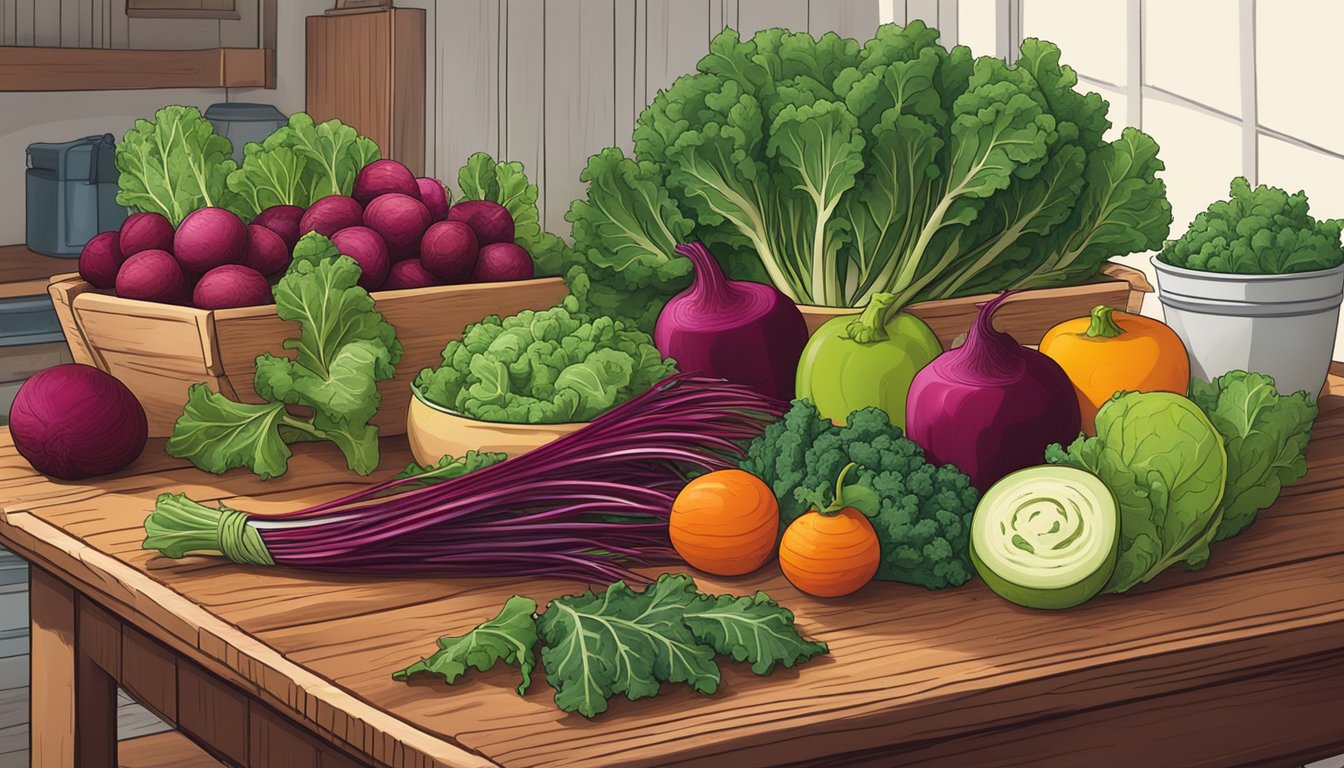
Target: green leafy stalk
(509,637)
(174,164)
(1265,435)
(344,348)
(179,526)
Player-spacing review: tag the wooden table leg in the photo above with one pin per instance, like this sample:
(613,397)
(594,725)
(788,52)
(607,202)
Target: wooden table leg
(73,715)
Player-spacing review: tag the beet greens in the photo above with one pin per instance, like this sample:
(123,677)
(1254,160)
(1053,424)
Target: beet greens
(589,505)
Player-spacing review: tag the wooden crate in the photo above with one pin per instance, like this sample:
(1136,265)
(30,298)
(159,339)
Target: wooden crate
(1027,315)
(159,350)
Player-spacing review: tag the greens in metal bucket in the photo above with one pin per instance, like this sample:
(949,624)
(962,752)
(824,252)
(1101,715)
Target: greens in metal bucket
(589,505)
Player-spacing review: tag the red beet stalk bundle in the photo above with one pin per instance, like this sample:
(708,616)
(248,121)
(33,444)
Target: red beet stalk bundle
(589,505)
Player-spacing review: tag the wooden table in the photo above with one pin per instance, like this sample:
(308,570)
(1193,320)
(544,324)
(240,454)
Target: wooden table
(1241,663)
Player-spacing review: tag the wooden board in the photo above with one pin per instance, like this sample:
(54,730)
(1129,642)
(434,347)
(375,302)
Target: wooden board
(368,70)
(94,69)
(26,273)
(163,750)
(913,676)
(160,350)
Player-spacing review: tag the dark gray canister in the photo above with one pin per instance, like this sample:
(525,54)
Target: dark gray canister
(243,123)
(71,194)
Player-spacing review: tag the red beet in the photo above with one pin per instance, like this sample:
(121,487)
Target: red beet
(152,276)
(209,238)
(283,220)
(75,421)
(490,221)
(100,260)
(435,197)
(330,215)
(401,220)
(145,232)
(368,250)
(502,262)
(448,250)
(408,274)
(384,177)
(266,250)
(231,285)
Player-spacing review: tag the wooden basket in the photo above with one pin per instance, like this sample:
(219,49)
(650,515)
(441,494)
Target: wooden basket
(1027,315)
(159,350)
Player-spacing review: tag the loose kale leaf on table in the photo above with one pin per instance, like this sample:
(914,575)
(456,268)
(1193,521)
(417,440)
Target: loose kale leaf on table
(596,646)
(752,629)
(509,637)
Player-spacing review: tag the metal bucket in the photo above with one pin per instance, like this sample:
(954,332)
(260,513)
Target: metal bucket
(1280,325)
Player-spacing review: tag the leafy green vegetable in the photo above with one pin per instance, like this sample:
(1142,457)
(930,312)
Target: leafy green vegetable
(343,349)
(546,367)
(620,641)
(1166,465)
(300,163)
(842,172)
(509,637)
(450,467)
(1261,231)
(482,178)
(1265,435)
(596,646)
(174,164)
(601,644)
(924,512)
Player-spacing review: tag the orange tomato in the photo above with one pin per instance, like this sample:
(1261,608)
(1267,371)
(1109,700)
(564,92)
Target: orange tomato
(1112,351)
(725,522)
(832,551)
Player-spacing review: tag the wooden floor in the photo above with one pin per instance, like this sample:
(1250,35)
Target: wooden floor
(147,741)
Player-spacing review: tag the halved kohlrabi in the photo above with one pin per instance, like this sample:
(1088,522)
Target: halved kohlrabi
(1046,537)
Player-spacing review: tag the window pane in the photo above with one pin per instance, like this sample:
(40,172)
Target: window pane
(975,26)
(1202,153)
(1292,167)
(1193,48)
(1091,36)
(1297,44)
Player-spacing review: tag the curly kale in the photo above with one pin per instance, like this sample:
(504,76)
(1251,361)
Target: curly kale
(924,516)
(1260,231)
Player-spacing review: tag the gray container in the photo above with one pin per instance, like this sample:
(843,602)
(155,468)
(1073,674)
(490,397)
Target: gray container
(1280,325)
(71,190)
(243,123)
(28,320)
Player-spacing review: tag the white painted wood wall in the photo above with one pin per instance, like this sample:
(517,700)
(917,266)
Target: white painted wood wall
(551,82)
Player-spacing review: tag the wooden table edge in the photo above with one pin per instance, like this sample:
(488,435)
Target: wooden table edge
(47,546)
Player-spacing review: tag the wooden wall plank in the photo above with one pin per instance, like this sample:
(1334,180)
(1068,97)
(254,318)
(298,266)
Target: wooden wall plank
(678,33)
(84,20)
(172,34)
(924,10)
(69,23)
(245,31)
(408,88)
(624,52)
(579,97)
(948,22)
(467,43)
(119,25)
(850,18)
(47,23)
(24,27)
(525,96)
(755,15)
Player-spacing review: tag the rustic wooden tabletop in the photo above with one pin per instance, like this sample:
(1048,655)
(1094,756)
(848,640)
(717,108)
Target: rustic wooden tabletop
(1240,663)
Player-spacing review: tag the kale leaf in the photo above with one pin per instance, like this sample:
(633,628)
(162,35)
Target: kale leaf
(1265,435)
(343,349)
(509,637)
